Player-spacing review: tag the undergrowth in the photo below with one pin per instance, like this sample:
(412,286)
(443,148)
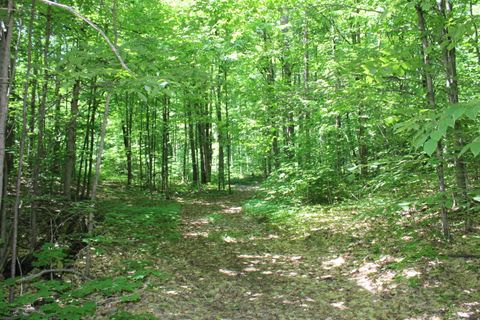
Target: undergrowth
(134,222)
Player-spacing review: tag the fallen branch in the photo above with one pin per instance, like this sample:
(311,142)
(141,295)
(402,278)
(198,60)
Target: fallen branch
(94,26)
(463,255)
(41,273)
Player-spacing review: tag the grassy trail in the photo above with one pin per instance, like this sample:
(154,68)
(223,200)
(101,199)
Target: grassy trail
(224,264)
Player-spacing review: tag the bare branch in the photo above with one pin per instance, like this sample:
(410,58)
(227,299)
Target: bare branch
(94,26)
(41,273)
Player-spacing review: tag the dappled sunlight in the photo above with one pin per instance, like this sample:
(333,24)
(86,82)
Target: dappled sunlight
(195,234)
(373,277)
(333,263)
(410,273)
(232,210)
(199,222)
(229,239)
(264,238)
(339,305)
(271,264)
(230,273)
(253,296)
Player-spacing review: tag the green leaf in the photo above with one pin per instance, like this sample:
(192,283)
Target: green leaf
(472,112)
(430,146)
(475,147)
(437,135)
(131,298)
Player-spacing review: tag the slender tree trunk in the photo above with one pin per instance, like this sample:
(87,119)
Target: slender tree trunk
(56,165)
(98,163)
(165,147)
(82,175)
(185,150)
(191,136)
(229,140)
(450,64)
(42,109)
(127,139)
(149,152)
(40,156)
(220,136)
(289,130)
(431,101)
(6,40)
(93,116)
(70,156)
(21,153)
(33,116)
(475,26)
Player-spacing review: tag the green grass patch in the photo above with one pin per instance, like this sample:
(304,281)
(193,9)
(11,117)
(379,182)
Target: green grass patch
(145,221)
(274,214)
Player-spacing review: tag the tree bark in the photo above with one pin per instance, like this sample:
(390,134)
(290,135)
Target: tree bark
(165,147)
(21,153)
(476,35)
(127,138)
(70,155)
(6,39)
(432,102)
(98,163)
(450,63)
(191,137)
(40,156)
(220,134)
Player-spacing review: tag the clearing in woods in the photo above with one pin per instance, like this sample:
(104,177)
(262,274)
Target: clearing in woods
(218,262)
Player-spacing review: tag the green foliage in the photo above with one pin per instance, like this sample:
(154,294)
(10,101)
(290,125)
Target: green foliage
(68,312)
(432,127)
(107,287)
(51,254)
(322,185)
(275,215)
(145,220)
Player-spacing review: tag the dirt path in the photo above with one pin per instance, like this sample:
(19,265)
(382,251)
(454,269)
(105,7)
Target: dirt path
(229,266)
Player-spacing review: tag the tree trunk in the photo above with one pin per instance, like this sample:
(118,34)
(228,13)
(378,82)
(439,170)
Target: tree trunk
(21,153)
(127,138)
(220,136)
(93,116)
(56,165)
(191,137)
(165,147)
(70,155)
(450,64)
(475,26)
(431,101)
(98,163)
(6,39)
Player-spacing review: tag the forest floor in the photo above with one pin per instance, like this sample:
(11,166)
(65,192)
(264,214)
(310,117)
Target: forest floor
(215,261)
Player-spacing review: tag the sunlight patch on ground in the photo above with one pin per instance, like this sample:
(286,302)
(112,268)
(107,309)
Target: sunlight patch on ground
(339,305)
(230,273)
(410,273)
(232,210)
(253,296)
(195,235)
(371,276)
(229,239)
(333,263)
(199,222)
(269,237)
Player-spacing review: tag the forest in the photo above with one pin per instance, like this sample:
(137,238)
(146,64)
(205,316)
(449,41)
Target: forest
(239,159)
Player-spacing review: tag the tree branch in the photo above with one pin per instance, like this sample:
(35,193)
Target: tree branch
(41,273)
(94,26)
